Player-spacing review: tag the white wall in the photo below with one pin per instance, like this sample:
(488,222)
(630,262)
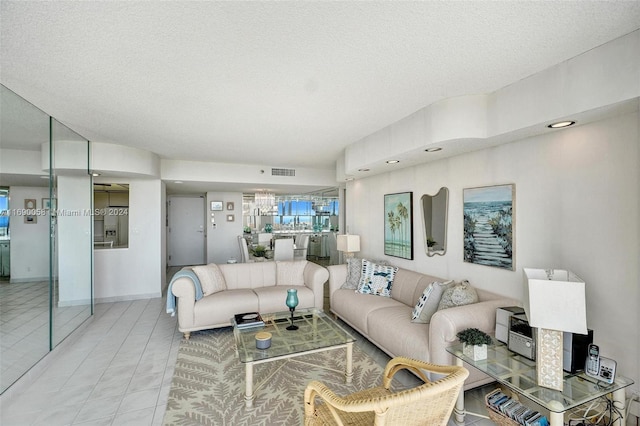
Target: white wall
(29,242)
(577,207)
(138,270)
(74,194)
(222,242)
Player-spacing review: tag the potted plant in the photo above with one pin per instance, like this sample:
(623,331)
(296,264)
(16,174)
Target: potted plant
(259,251)
(474,343)
(431,243)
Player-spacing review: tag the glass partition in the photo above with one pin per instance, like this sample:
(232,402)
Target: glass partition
(71,193)
(45,236)
(24,285)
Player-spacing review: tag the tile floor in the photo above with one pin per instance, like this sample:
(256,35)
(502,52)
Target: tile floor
(24,326)
(117,369)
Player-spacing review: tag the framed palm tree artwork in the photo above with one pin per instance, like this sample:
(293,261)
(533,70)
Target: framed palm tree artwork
(398,225)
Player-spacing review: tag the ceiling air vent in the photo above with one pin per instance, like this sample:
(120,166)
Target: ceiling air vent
(283,172)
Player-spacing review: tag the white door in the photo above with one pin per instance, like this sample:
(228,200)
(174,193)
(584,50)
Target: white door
(186,236)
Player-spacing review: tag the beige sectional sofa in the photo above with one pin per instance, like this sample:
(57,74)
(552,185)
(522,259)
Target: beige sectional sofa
(230,289)
(387,321)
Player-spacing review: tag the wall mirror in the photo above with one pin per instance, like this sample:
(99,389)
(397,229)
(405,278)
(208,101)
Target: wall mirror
(434,217)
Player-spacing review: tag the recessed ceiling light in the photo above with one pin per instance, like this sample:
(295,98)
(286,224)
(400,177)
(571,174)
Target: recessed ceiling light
(177,181)
(561,124)
(44,177)
(363,170)
(392,161)
(349,179)
(434,149)
(94,174)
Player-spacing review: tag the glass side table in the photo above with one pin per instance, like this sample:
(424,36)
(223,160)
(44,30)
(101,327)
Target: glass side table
(316,332)
(518,374)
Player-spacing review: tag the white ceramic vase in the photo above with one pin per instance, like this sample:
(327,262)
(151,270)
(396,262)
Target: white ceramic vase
(475,352)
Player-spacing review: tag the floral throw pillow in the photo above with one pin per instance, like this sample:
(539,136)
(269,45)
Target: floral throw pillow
(376,279)
(458,295)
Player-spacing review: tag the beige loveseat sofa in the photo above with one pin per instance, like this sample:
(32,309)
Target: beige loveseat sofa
(387,321)
(230,289)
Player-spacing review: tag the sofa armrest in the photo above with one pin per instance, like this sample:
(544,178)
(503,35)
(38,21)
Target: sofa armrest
(315,276)
(445,324)
(337,277)
(184,289)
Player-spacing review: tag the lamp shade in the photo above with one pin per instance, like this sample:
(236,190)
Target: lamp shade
(554,299)
(348,243)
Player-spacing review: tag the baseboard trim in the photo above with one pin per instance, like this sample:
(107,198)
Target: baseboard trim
(112,299)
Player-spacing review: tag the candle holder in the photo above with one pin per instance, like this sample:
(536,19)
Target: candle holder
(292,302)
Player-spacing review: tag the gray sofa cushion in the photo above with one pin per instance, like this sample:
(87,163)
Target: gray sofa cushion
(272,299)
(389,327)
(219,308)
(355,307)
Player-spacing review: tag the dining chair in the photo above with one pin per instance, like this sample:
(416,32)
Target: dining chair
(283,249)
(244,249)
(302,245)
(264,239)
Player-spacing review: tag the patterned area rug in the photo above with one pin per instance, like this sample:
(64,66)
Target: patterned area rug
(208,383)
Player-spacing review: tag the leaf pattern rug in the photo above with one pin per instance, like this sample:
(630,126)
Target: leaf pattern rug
(208,383)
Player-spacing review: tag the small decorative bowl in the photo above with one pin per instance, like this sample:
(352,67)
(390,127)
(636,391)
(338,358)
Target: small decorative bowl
(263,340)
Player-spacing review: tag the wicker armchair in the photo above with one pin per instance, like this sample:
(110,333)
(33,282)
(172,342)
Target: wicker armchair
(428,404)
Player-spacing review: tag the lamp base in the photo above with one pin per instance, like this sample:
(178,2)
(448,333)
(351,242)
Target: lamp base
(549,359)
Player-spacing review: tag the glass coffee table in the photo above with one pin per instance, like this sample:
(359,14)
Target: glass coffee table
(316,332)
(518,374)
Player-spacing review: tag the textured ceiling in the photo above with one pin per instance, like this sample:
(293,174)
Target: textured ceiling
(278,83)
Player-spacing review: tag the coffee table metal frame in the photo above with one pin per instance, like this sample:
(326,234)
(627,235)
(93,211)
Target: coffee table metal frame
(317,332)
(518,374)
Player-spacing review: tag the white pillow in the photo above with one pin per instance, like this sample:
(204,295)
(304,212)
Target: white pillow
(211,278)
(290,272)
(428,303)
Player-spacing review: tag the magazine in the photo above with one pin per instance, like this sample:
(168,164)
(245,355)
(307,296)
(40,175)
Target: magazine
(248,319)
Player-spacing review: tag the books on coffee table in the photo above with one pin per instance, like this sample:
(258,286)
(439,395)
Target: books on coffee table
(248,319)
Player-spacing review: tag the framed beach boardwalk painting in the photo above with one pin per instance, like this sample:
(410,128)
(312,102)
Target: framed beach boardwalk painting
(488,226)
(398,225)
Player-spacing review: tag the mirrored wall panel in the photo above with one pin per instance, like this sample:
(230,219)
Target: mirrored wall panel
(434,218)
(45,243)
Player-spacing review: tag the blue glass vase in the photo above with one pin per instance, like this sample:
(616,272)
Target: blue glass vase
(292,302)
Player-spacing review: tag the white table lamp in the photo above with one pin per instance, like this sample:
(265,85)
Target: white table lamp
(554,303)
(349,244)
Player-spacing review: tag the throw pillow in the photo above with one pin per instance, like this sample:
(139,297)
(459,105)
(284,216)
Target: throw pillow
(428,303)
(290,272)
(376,279)
(458,295)
(211,278)
(354,272)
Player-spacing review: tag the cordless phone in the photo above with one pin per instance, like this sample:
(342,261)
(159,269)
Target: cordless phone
(592,366)
(599,367)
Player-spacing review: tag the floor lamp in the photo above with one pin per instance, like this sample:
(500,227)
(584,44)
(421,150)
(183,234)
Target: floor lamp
(554,303)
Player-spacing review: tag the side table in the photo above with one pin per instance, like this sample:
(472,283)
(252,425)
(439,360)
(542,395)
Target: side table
(518,374)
